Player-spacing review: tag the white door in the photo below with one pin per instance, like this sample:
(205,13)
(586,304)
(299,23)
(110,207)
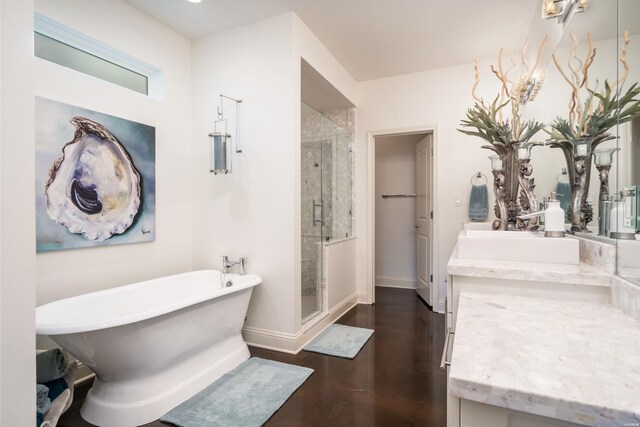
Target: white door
(424,166)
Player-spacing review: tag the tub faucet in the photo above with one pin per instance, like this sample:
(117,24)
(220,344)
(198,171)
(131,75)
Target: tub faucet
(226,265)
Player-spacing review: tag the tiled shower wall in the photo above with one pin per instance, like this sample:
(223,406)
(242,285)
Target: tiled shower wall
(326,169)
(344,119)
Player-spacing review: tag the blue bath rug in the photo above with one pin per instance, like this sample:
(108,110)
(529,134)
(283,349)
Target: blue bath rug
(247,396)
(340,340)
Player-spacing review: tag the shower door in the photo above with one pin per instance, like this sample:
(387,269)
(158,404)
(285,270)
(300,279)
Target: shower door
(315,222)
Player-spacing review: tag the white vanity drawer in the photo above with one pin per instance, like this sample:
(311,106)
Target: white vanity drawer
(474,414)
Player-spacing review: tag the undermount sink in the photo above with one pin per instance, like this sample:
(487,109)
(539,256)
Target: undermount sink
(517,246)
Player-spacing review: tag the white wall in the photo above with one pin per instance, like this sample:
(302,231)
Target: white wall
(340,259)
(17,247)
(435,98)
(441,97)
(66,273)
(249,212)
(254,211)
(395,173)
(306,45)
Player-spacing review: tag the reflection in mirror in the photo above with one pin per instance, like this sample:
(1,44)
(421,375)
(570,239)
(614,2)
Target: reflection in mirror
(629,155)
(634,152)
(551,169)
(555,100)
(616,172)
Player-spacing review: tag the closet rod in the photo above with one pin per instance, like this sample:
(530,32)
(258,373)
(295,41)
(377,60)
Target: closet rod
(393,196)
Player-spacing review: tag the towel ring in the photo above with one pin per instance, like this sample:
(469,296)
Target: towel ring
(479,175)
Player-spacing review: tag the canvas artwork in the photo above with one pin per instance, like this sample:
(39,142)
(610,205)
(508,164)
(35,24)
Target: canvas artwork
(95,178)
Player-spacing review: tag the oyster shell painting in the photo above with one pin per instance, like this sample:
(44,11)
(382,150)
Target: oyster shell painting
(94,188)
(95,192)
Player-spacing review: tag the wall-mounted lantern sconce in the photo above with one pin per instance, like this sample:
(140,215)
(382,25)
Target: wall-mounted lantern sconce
(561,9)
(220,155)
(220,138)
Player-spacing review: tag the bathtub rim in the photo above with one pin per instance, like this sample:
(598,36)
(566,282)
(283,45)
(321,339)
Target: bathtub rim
(45,327)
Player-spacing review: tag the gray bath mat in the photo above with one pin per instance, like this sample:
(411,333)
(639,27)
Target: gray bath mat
(340,340)
(247,396)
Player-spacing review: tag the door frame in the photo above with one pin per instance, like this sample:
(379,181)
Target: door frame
(371,209)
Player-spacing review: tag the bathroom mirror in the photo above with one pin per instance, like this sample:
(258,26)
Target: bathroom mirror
(554,100)
(607,22)
(628,253)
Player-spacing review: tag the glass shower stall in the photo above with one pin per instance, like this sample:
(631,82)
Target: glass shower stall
(326,199)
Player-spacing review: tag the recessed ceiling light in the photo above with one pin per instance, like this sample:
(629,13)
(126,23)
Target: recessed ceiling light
(194,1)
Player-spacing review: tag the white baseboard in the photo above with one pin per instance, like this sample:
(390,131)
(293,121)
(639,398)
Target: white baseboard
(333,315)
(363,298)
(270,340)
(293,343)
(396,282)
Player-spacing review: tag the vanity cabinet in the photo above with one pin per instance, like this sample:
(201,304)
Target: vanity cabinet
(453,403)
(474,414)
(527,361)
(583,282)
(593,287)
(596,290)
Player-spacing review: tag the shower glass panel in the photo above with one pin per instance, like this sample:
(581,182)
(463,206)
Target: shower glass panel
(326,197)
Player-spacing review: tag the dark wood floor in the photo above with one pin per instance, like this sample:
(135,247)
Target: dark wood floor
(395,380)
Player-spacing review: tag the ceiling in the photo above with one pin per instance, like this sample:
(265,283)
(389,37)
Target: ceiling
(371,38)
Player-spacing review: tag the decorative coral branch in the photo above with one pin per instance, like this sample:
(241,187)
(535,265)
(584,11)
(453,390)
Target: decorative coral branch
(623,60)
(613,106)
(475,85)
(587,63)
(499,73)
(535,64)
(576,78)
(502,76)
(574,57)
(574,92)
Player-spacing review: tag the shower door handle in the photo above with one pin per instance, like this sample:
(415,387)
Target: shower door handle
(321,220)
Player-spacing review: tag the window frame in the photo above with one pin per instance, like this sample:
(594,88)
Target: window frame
(59,32)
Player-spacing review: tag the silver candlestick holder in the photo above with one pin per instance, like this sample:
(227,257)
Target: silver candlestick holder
(499,190)
(528,201)
(603,159)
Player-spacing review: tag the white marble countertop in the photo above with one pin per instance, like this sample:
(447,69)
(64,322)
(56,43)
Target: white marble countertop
(583,274)
(574,361)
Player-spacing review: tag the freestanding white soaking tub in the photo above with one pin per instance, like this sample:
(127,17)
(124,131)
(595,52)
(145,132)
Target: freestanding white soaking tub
(152,344)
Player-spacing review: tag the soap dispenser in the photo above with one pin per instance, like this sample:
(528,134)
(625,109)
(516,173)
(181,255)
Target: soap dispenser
(553,217)
(545,204)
